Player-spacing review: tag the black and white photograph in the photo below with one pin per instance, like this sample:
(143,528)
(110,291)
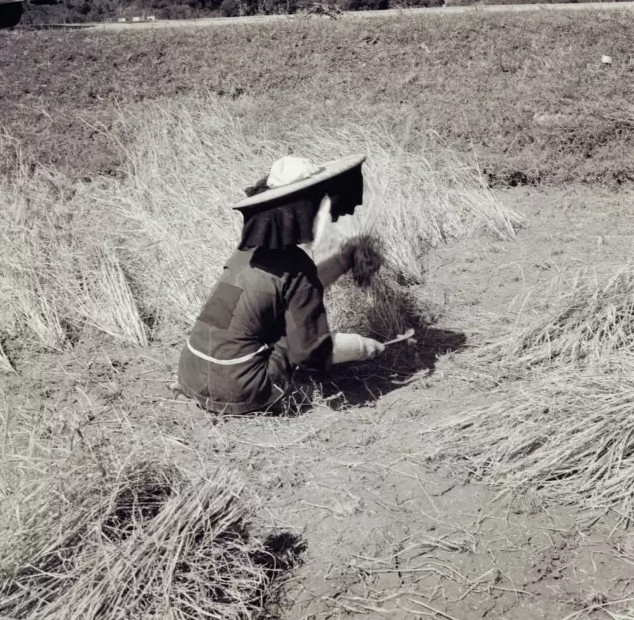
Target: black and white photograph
(316,310)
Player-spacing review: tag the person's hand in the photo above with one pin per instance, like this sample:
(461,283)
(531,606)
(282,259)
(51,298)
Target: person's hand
(372,348)
(354,348)
(346,253)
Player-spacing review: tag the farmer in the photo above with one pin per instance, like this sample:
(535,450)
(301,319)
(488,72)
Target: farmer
(265,316)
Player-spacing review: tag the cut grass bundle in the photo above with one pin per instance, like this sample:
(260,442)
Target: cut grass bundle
(367,258)
(104,299)
(416,198)
(567,434)
(30,305)
(35,252)
(590,321)
(58,269)
(5,362)
(151,542)
(191,160)
(39,313)
(382,311)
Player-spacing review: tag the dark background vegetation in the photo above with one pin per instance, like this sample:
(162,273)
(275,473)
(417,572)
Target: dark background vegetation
(79,11)
(527,94)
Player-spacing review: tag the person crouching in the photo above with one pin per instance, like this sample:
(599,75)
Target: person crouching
(265,317)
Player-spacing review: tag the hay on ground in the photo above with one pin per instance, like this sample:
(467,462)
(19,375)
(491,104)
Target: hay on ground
(587,323)
(165,229)
(567,434)
(5,362)
(152,542)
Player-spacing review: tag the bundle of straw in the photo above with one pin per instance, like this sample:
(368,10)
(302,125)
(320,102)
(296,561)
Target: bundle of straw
(5,362)
(367,257)
(590,321)
(153,543)
(567,434)
(166,229)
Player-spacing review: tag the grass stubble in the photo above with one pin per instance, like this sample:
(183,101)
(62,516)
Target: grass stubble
(527,93)
(132,258)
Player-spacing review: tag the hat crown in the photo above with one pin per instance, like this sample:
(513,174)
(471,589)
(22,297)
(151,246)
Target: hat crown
(290,169)
(290,175)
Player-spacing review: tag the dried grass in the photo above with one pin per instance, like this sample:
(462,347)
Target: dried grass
(166,230)
(58,273)
(29,301)
(32,251)
(193,159)
(39,313)
(566,425)
(5,362)
(146,541)
(106,301)
(567,434)
(590,319)
(106,523)
(368,256)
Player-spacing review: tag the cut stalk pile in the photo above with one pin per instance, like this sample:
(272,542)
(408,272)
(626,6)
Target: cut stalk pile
(567,434)
(566,426)
(587,323)
(152,543)
(167,227)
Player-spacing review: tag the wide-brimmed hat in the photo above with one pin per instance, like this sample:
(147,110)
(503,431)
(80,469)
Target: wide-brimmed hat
(290,175)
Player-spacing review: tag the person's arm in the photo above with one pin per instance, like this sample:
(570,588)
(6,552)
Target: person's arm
(331,269)
(309,340)
(307,333)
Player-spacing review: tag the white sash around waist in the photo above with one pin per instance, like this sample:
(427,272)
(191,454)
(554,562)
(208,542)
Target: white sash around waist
(237,360)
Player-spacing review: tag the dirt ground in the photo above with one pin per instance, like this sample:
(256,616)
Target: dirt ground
(388,531)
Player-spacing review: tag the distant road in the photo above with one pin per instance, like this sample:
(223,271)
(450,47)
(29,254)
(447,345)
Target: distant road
(445,10)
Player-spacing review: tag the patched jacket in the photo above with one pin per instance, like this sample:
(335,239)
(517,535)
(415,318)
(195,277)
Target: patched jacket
(267,310)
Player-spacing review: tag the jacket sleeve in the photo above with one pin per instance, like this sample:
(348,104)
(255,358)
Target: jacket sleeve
(330,270)
(307,333)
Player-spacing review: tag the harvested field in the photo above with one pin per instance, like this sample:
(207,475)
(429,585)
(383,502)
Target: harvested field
(154,543)
(527,93)
(484,471)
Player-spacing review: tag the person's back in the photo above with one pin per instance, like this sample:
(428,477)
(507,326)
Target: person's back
(264,316)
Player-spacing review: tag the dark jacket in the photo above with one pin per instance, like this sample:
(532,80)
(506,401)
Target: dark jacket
(271,297)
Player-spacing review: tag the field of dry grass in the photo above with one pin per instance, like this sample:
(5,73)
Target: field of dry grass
(487,471)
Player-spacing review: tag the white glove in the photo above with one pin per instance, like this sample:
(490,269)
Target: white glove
(354,348)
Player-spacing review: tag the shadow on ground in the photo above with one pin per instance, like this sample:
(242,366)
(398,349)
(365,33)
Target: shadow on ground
(282,553)
(361,384)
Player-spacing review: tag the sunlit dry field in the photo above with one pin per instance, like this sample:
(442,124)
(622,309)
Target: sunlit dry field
(485,471)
